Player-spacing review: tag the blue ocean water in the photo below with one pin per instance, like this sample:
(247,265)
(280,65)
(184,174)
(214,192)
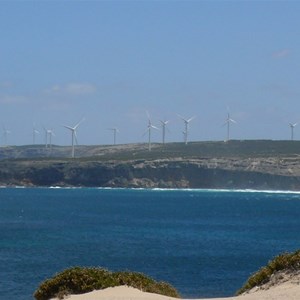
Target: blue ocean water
(205,243)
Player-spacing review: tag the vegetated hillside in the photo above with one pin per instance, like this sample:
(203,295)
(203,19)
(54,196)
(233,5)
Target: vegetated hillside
(254,164)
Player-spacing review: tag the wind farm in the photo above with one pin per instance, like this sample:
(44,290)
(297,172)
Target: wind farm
(229,163)
(163,127)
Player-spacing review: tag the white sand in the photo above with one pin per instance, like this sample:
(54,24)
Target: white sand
(284,291)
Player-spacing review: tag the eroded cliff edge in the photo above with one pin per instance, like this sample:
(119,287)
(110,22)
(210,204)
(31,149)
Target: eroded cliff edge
(258,173)
(254,164)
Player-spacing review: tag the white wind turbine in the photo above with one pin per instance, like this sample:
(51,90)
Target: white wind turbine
(48,133)
(74,135)
(149,128)
(51,134)
(6,132)
(292,126)
(186,127)
(46,137)
(164,125)
(228,121)
(34,133)
(115,131)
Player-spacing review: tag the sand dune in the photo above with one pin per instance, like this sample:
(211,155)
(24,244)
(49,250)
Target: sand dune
(289,290)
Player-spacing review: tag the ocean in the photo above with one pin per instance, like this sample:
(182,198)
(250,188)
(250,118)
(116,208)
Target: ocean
(206,243)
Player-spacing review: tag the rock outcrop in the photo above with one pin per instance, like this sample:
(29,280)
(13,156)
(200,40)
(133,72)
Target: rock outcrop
(232,173)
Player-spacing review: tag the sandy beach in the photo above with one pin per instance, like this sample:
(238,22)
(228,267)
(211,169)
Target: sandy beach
(289,290)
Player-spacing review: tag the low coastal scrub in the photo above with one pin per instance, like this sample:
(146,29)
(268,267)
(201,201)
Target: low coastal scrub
(286,262)
(79,280)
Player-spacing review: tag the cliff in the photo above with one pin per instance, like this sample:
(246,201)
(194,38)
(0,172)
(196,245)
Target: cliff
(278,168)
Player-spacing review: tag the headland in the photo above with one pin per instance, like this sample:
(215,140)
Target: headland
(246,164)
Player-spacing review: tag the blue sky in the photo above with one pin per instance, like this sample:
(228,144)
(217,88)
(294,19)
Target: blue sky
(110,61)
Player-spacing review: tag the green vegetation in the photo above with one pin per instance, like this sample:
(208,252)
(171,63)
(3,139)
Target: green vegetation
(79,280)
(203,149)
(288,262)
(255,164)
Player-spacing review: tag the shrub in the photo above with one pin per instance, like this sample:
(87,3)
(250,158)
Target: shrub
(79,280)
(283,262)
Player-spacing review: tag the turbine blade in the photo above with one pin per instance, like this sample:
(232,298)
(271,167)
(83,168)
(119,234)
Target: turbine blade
(75,127)
(164,122)
(190,119)
(68,127)
(182,118)
(154,127)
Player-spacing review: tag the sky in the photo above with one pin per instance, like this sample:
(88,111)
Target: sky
(111,61)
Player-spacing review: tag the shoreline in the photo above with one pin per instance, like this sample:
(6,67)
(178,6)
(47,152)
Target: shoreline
(154,189)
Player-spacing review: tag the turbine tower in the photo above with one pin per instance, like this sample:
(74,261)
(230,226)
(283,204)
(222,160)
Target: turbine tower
(46,137)
(149,128)
(51,134)
(74,136)
(34,133)
(115,131)
(48,133)
(183,134)
(228,121)
(292,126)
(163,125)
(6,132)
(186,127)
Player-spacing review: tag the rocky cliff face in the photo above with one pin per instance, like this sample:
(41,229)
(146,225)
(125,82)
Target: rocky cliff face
(238,173)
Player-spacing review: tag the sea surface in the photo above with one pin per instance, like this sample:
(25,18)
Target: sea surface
(204,242)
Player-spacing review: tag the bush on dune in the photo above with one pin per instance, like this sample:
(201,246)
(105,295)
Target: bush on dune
(286,262)
(79,280)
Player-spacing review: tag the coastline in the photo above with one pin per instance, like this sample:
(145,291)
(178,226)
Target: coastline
(234,190)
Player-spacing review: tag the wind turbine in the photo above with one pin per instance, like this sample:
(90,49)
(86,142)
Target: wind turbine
(228,121)
(48,133)
(6,132)
(186,127)
(51,134)
(74,135)
(34,133)
(46,137)
(163,125)
(115,130)
(292,126)
(149,128)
